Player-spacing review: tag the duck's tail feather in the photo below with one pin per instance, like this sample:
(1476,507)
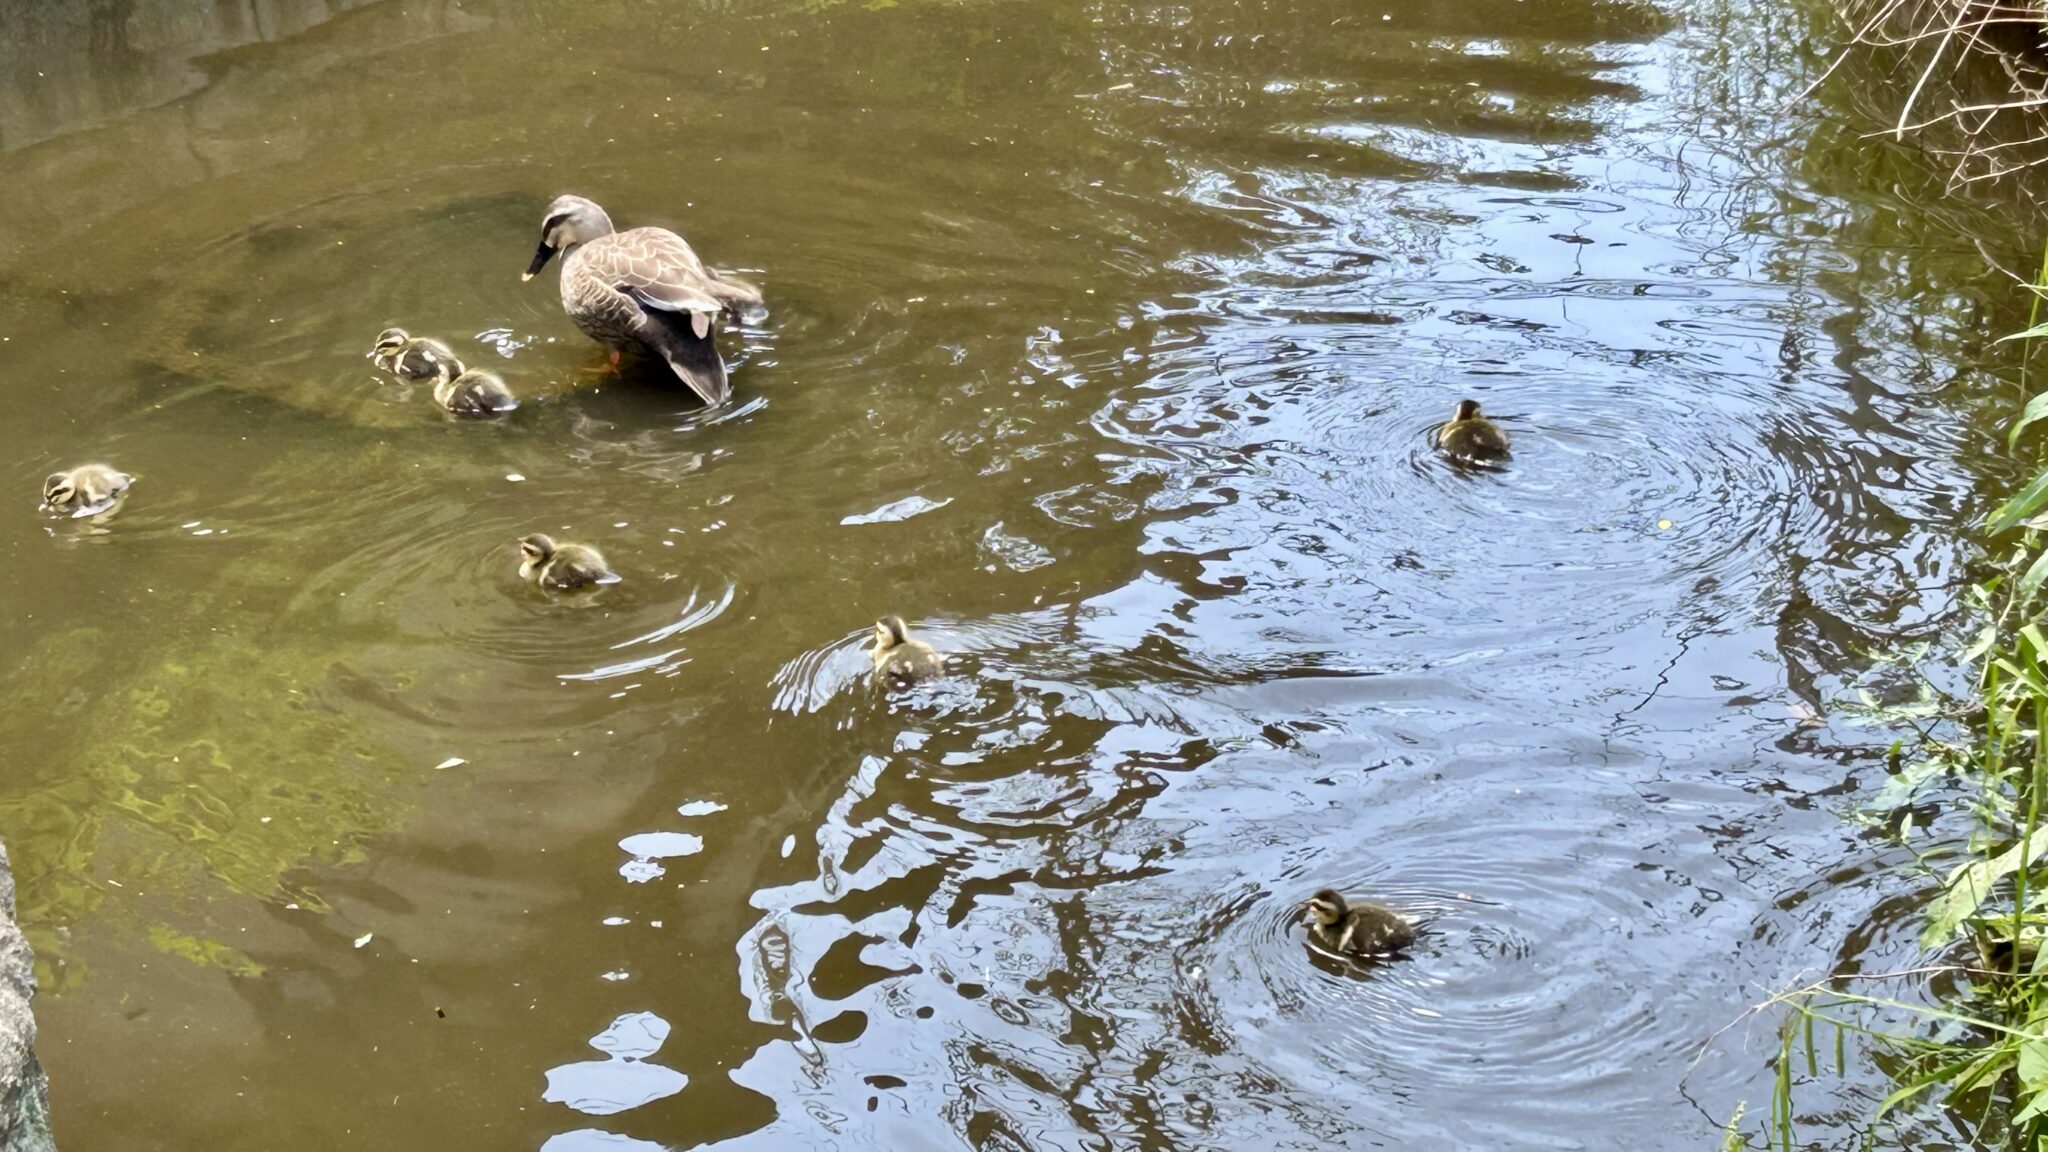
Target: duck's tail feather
(688,342)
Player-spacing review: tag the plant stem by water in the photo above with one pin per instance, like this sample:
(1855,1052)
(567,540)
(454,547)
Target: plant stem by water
(1973,1041)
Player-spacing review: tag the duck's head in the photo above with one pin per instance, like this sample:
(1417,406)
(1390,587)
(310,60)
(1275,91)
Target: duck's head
(570,220)
(1467,410)
(388,342)
(889,632)
(59,491)
(1327,907)
(536,549)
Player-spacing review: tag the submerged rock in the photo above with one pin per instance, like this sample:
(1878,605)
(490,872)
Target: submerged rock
(24,1090)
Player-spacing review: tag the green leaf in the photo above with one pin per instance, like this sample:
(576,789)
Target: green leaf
(2036,572)
(2035,409)
(2034,1064)
(2032,633)
(1969,884)
(1993,1063)
(1917,1085)
(1731,1132)
(2035,1104)
(1985,639)
(2029,501)
(2031,679)
(2027,334)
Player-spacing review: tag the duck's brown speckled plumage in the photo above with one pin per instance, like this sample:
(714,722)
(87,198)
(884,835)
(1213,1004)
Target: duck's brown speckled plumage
(562,567)
(1355,928)
(85,490)
(1471,436)
(644,288)
(901,659)
(409,357)
(472,391)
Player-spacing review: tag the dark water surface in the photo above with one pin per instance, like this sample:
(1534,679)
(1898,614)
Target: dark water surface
(1152,307)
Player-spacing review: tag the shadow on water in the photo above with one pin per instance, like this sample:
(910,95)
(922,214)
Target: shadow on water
(1107,341)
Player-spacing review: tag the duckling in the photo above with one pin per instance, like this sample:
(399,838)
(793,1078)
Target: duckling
(900,659)
(1355,929)
(414,358)
(562,567)
(471,391)
(1470,436)
(85,490)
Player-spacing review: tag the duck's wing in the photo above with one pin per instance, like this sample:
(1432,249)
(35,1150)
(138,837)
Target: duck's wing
(682,336)
(664,265)
(658,263)
(498,398)
(483,398)
(673,299)
(420,359)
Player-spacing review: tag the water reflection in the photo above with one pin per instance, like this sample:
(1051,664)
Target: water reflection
(70,66)
(626,1079)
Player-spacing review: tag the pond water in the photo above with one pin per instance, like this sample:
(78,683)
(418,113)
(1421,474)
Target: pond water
(1106,341)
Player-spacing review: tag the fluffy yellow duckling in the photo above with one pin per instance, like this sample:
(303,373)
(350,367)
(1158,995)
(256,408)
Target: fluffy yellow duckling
(408,357)
(1470,436)
(562,567)
(84,490)
(1356,930)
(900,659)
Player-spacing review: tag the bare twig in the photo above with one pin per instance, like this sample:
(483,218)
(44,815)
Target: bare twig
(1994,120)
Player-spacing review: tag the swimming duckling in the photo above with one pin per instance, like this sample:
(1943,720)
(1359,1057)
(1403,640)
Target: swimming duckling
(414,358)
(471,391)
(562,567)
(1470,436)
(1356,929)
(85,490)
(899,658)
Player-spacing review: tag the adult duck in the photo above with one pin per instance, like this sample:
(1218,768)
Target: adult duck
(643,289)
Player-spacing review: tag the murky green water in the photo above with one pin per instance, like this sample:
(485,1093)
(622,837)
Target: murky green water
(1156,304)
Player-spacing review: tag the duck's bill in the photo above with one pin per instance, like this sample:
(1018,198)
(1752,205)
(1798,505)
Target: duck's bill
(540,261)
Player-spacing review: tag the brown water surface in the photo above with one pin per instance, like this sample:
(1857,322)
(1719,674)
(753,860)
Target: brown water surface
(1105,346)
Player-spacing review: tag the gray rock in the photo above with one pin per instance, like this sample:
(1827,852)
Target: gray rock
(24,1089)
